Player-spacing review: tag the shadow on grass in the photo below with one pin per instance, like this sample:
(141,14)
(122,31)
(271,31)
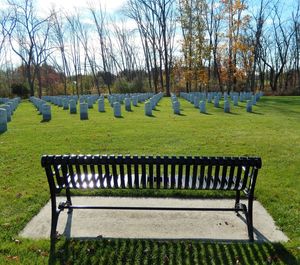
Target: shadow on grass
(256,113)
(231,113)
(154,251)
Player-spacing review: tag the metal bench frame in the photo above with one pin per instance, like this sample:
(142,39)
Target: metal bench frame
(66,172)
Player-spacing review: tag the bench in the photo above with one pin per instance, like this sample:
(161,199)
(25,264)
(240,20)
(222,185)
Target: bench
(67,172)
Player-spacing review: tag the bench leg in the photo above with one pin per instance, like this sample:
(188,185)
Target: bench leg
(69,201)
(250,218)
(54,220)
(237,201)
(54,217)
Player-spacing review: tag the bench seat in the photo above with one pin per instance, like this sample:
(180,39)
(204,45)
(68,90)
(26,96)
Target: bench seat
(91,181)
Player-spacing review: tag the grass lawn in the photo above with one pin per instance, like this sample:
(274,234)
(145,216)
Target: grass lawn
(272,131)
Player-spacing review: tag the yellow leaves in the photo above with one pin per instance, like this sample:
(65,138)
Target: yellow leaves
(238,6)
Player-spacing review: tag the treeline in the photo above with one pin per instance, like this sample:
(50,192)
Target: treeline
(183,45)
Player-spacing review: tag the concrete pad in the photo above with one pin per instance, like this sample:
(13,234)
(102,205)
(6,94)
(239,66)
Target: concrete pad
(201,225)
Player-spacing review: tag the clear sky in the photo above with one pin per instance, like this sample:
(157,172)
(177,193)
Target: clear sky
(110,6)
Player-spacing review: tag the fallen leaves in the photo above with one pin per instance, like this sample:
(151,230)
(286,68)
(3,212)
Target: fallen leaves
(13,258)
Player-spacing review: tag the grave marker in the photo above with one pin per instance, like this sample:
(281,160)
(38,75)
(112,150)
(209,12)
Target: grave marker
(117,109)
(3,120)
(227,106)
(249,106)
(90,102)
(176,107)
(235,100)
(65,104)
(73,107)
(101,107)
(135,101)
(127,104)
(148,108)
(202,106)
(216,102)
(46,111)
(8,112)
(84,111)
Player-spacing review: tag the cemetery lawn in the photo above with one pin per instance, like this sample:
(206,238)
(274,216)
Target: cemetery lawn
(272,132)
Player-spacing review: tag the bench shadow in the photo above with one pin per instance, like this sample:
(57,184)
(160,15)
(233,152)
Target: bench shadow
(161,251)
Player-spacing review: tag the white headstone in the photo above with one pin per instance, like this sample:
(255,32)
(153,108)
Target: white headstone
(8,111)
(101,107)
(249,106)
(176,107)
(84,111)
(90,102)
(73,107)
(117,109)
(46,111)
(216,101)
(202,106)
(148,108)
(3,120)
(227,106)
(127,104)
(65,104)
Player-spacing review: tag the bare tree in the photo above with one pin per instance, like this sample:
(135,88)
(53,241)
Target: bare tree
(213,23)
(156,24)
(28,37)
(296,47)
(256,35)
(277,51)
(99,18)
(59,40)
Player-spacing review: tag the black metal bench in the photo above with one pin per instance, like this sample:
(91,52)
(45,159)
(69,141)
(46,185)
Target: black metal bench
(66,172)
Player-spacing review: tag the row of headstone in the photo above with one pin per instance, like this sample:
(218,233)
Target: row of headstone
(43,108)
(65,101)
(84,106)
(199,99)
(152,102)
(3,100)
(70,103)
(175,104)
(115,101)
(6,112)
(59,100)
(135,98)
(242,96)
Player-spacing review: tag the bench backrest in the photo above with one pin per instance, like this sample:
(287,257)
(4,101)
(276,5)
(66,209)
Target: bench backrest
(102,171)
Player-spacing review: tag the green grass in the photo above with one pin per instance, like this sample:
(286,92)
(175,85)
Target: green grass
(272,132)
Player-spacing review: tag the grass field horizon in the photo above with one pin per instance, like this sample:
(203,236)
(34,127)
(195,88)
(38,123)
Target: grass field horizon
(272,132)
